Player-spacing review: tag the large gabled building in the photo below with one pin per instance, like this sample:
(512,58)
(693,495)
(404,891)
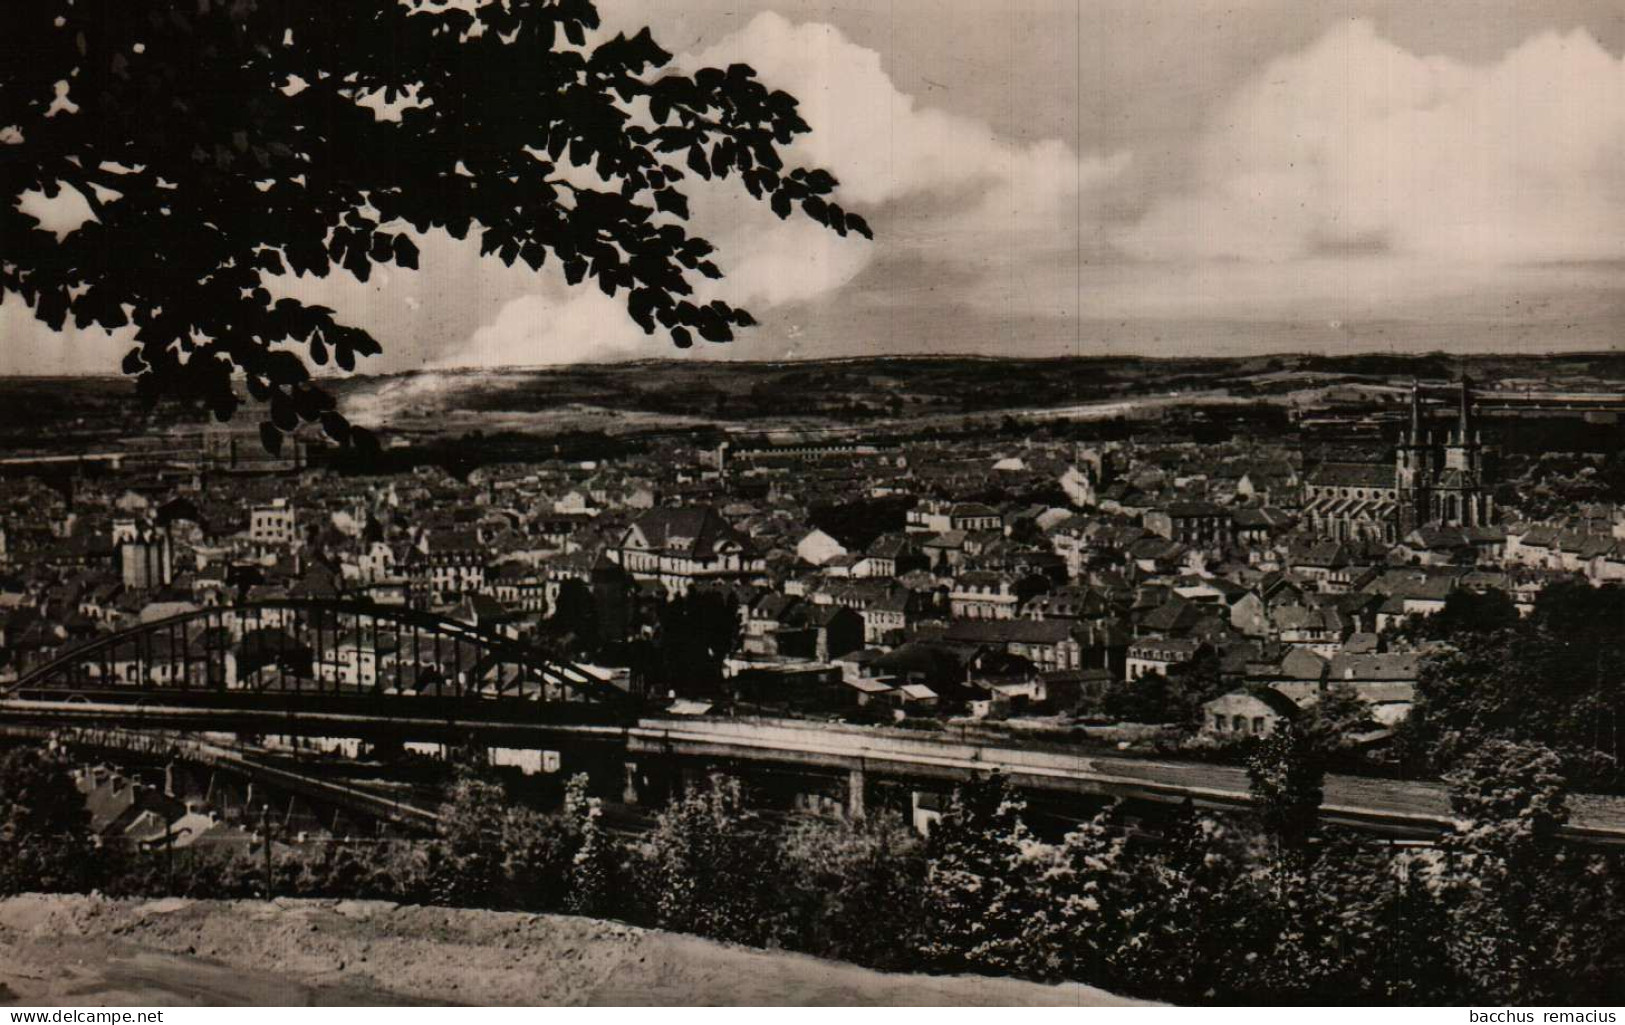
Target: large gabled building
(683,547)
(1352,501)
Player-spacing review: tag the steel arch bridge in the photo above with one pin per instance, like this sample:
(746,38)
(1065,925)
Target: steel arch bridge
(316,653)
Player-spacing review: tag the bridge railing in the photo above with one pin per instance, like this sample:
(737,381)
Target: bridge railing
(326,646)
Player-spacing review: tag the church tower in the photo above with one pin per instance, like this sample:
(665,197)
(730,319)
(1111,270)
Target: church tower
(1414,469)
(1459,500)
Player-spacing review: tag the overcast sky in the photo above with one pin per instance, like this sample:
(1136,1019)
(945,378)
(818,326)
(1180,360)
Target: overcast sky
(1055,177)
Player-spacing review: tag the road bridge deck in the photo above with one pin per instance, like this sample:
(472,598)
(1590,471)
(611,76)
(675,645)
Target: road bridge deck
(1414,806)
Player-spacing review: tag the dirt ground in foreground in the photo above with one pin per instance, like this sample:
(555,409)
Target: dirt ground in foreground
(78,951)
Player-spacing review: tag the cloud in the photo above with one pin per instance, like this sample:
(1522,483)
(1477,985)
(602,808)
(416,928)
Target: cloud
(32,348)
(929,180)
(563,325)
(976,207)
(768,262)
(1357,147)
(883,145)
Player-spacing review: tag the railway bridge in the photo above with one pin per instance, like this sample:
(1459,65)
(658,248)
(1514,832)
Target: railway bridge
(313,649)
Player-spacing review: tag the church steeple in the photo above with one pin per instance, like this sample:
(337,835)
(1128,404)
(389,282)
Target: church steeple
(1413,468)
(1460,500)
(1416,412)
(1464,427)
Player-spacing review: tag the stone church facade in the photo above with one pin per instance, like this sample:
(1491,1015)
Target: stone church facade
(1433,479)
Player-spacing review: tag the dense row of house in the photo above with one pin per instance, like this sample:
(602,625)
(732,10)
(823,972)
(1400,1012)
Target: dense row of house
(1018,578)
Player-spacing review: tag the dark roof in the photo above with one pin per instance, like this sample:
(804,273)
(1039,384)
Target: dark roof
(1401,666)
(1353,475)
(890,546)
(1277,702)
(690,530)
(1009,631)
(773,605)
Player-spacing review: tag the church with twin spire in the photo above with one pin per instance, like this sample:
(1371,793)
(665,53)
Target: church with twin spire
(1442,481)
(1437,478)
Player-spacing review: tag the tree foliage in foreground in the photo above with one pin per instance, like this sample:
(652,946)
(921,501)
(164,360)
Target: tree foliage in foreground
(44,827)
(1286,775)
(223,142)
(1196,910)
(1550,679)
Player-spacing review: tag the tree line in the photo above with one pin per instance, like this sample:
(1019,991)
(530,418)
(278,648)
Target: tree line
(1549,678)
(1271,907)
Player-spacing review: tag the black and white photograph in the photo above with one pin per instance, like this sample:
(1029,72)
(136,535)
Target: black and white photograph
(776,503)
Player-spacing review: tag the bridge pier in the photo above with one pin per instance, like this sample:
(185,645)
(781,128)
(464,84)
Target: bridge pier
(631,793)
(924,810)
(856,784)
(388,747)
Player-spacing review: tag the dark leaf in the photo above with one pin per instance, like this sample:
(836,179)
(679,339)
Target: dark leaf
(336,427)
(697,162)
(283,412)
(363,440)
(256,182)
(713,328)
(673,202)
(270,437)
(406,252)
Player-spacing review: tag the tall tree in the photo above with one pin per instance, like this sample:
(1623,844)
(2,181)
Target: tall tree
(980,884)
(44,826)
(472,826)
(1510,881)
(1469,612)
(713,867)
(595,872)
(575,617)
(858,888)
(219,143)
(1286,774)
(696,633)
(1085,904)
(1552,680)
(1193,885)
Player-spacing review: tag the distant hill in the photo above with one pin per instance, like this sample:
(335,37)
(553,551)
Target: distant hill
(676,393)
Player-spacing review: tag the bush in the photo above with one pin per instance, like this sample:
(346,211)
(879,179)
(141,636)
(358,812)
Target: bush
(1194,911)
(712,867)
(858,889)
(44,827)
